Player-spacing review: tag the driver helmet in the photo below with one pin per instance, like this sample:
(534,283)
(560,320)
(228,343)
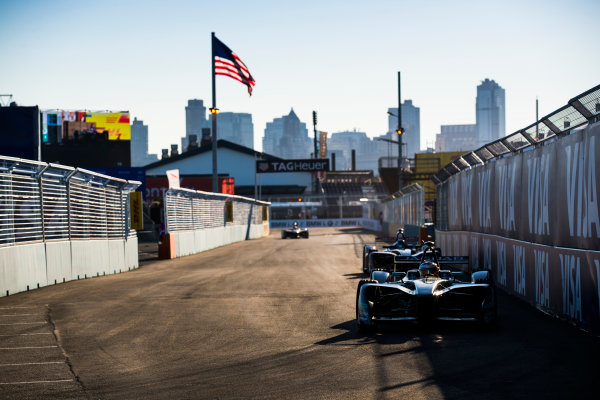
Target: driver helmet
(400,244)
(429,269)
(295,224)
(400,234)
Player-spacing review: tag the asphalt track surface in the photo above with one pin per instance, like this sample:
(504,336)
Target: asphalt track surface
(271,319)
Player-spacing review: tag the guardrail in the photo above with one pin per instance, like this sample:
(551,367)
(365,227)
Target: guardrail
(196,221)
(59,223)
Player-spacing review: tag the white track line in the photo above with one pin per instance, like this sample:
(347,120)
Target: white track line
(27,347)
(32,363)
(12,308)
(16,315)
(34,382)
(24,323)
(27,334)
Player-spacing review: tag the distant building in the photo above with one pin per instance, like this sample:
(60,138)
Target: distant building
(411,122)
(347,141)
(236,128)
(287,137)
(456,138)
(490,112)
(195,120)
(235,161)
(139,145)
(20,132)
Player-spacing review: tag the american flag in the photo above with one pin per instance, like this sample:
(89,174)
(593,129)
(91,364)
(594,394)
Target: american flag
(229,64)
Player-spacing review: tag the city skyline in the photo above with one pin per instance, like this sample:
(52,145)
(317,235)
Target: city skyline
(340,59)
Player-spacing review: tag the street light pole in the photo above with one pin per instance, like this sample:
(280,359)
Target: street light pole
(315,179)
(399,131)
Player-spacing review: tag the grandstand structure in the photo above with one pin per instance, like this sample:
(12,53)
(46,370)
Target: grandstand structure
(362,184)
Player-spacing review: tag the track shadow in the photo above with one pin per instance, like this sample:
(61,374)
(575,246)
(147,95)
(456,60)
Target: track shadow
(356,275)
(527,355)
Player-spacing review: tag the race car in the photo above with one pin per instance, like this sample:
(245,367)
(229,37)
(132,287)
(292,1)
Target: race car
(374,258)
(294,231)
(427,293)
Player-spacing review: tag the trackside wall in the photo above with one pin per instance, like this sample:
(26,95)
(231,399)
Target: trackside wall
(202,221)
(533,218)
(61,223)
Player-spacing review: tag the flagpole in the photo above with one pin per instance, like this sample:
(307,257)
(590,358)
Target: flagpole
(215,179)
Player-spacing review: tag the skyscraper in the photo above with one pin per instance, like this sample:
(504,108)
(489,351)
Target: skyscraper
(411,122)
(195,120)
(236,127)
(489,112)
(287,137)
(139,144)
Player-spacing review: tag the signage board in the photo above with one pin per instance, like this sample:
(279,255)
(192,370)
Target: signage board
(135,209)
(300,165)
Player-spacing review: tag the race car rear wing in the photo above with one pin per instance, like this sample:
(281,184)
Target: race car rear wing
(406,263)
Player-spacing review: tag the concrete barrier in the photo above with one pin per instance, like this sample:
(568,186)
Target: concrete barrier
(131,253)
(192,242)
(41,264)
(116,256)
(90,258)
(560,281)
(58,262)
(22,268)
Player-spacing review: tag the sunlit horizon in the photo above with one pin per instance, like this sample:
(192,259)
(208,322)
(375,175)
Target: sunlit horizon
(338,58)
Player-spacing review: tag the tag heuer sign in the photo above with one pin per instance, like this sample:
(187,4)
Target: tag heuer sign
(308,165)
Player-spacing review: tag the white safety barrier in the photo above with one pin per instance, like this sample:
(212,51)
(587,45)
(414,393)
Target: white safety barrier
(60,223)
(197,221)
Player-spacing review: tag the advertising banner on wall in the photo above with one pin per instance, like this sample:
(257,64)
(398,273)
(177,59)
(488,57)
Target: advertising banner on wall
(59,125)
(115,123)
(316,223)
(547,195)
(135,209)
(322,144)
(560,281)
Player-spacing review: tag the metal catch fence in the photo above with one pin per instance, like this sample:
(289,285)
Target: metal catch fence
(50,202)
(581,110)
(189,210)
(405,207)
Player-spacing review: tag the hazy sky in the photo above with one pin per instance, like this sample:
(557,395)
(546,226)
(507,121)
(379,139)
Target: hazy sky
(339,58)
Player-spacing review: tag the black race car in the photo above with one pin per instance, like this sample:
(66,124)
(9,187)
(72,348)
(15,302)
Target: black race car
(378,257)
(426,293)
(294,231)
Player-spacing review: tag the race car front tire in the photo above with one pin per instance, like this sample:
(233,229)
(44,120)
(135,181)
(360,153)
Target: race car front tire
(363,327)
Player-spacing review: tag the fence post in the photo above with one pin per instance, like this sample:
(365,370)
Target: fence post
(39,179)
(68,184)
(11,221)
(165,213)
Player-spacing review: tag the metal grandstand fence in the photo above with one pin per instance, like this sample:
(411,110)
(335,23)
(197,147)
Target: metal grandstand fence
(42,202)
(189,210)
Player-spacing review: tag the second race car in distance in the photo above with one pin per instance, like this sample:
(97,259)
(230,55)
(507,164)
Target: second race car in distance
(294,231)
(375,256)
